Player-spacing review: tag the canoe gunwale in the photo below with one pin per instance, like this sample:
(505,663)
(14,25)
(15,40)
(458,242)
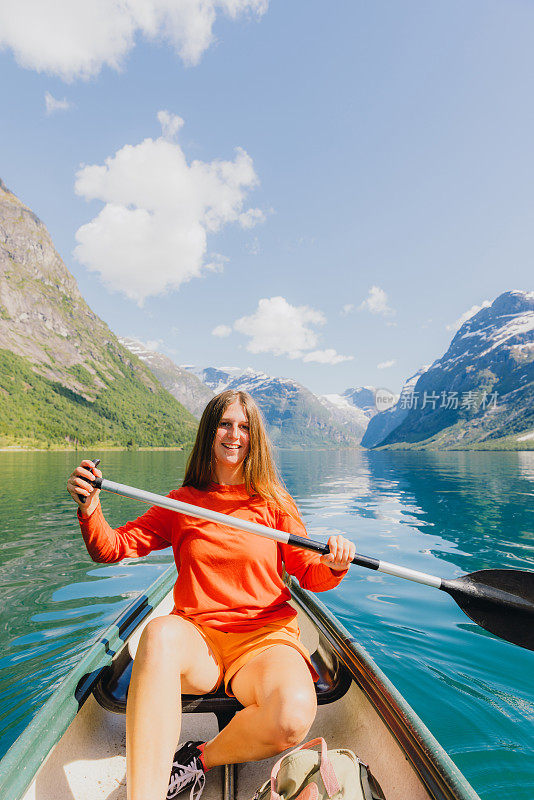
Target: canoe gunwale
(437,771)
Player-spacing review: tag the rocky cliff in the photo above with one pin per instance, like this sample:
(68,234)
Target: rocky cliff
(60,363)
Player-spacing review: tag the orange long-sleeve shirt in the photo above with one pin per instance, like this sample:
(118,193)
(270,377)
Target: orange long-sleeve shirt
(227,579)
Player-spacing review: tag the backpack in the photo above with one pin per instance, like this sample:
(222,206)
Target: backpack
(330,775)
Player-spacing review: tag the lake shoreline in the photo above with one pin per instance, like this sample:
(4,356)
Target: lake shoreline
(528,446)
(96,448)
(15,449)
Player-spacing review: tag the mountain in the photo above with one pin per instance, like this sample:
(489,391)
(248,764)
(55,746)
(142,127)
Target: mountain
(295,417)
(64,376)
(186,387)
(383,423)
(480,393)
(218,378)
(362,397)
(353,409)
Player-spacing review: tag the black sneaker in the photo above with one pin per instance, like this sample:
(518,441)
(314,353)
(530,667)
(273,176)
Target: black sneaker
(187,772)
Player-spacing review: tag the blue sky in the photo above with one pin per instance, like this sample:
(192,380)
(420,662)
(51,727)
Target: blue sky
(330,188)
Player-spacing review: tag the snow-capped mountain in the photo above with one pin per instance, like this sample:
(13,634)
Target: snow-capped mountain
(352,409)
(216,378)
(186,387)
(481,389)
(362,397)
(295,417)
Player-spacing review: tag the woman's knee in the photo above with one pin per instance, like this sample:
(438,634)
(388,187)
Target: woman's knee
(292,719)
(162,638)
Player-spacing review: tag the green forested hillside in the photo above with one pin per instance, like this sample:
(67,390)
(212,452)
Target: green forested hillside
(65,379)
(38,412)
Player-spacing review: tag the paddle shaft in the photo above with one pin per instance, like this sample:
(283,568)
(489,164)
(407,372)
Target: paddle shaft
(261,530)
(500,601)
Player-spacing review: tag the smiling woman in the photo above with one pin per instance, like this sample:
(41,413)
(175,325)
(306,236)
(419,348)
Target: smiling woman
(232,419)
(231,624)
(231,445)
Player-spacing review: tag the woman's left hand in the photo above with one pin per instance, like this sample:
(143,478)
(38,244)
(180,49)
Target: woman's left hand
(341,553)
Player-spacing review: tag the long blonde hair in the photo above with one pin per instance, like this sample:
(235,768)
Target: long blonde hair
(259,468)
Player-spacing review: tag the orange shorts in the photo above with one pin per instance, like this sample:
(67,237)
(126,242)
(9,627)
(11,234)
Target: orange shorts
(233,650)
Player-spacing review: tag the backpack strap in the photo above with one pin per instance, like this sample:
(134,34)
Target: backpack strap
(364,780)
(331,783)
(370,787)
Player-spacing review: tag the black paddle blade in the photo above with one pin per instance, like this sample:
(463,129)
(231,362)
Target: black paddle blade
(499,600)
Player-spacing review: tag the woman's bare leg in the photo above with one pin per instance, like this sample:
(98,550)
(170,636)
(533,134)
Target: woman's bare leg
(172,657)
(277,691)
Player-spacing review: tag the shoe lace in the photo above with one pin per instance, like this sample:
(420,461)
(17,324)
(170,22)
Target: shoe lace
(182,777)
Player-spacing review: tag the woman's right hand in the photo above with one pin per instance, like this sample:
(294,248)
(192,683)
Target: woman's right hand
(78,484)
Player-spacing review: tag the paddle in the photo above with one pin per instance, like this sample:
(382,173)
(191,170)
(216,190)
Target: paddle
(499,600)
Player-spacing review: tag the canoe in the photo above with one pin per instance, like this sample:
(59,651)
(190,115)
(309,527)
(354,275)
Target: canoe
(74,748)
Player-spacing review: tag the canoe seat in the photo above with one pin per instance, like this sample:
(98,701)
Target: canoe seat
(334,681)
(112,688)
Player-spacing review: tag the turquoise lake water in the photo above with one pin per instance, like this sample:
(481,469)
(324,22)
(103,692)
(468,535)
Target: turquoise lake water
(442,513)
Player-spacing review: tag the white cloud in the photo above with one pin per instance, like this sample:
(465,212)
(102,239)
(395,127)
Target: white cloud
(171,124)
(55,105)
(328,356)
(386,364)
(216,262)
(76,38)
(282,329)
(347,309)
(151,235)
(251,217)
(376,302)
(454,326)
(222,331)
